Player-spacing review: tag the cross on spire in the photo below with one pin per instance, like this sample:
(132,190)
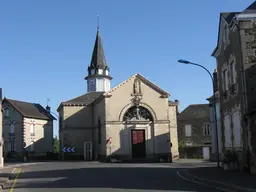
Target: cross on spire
(48,100)
(98,20)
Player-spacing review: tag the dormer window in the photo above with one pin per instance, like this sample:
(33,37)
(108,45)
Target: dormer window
(106,72)
(6,112)
(100,71)
(92,71)
(226,36)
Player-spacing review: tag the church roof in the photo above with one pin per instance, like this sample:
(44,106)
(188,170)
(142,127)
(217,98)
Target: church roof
(143,79)
(85,99)
(98,60)
(31,110)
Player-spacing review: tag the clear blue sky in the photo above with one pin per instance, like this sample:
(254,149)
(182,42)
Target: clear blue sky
(46,46)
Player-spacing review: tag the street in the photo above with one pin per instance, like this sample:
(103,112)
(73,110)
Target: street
(93,176)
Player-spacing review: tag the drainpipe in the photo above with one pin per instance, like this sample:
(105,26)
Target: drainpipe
(246,135)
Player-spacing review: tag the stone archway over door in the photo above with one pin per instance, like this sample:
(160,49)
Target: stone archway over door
(136,115)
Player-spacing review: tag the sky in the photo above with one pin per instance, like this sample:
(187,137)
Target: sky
(46,46)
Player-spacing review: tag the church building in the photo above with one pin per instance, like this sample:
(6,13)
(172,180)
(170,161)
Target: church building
(134,120)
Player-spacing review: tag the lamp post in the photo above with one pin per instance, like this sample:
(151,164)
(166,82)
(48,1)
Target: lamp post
(214,106)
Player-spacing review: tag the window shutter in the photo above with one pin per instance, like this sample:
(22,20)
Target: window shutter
(227,132)
(188,130)
(237,129)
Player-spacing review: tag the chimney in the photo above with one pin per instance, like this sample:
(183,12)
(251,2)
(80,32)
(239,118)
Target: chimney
(48,109)
(215,80)
(177,106)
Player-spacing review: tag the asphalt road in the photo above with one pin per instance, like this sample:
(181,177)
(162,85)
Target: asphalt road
(102,177)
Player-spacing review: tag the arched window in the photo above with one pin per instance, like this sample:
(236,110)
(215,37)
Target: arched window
(137,113)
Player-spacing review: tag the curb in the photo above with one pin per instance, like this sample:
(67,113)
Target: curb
(214,183)
(4,181)
(22,164)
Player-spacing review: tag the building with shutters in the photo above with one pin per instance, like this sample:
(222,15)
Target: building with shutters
(236,60)
(194,131)
(26,127)
(136,116)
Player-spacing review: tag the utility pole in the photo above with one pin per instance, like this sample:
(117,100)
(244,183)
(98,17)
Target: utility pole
(1,131)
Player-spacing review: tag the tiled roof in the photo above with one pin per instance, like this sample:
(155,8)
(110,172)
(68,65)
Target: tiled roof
(195,111)
(85,99)
(32,110)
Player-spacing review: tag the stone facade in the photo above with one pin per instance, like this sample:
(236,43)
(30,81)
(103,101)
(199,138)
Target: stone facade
(19,136)
(105,118)
(235,54)
(198,118)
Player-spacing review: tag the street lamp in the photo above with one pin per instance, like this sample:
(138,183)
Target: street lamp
(214,106)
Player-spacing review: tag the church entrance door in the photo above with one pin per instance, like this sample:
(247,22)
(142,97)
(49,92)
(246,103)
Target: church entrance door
(138,143)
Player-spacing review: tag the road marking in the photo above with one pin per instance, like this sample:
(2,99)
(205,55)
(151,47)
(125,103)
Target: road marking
(15,180)
(225,184)
(200,183)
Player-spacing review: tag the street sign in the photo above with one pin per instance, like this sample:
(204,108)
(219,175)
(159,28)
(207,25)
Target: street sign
(24,144)
(68,150)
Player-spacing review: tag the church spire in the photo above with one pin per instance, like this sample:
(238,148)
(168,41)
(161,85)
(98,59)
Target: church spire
(98,71)
(98,60)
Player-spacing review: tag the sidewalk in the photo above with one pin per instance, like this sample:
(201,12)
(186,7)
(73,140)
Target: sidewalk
(240,179)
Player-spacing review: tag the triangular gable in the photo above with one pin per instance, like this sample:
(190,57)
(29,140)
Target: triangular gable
(5,100)
(225,19)
(144,80)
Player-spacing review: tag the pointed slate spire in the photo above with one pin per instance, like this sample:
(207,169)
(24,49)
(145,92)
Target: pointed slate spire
(251,8)
(98,60)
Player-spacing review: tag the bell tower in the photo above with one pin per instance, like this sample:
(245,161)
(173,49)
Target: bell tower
(98,78)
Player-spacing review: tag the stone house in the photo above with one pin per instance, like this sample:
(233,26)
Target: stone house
(134,120)
(27,127)
(194,131)
(236,59)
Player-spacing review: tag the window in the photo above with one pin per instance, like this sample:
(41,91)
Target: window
(6,112)
(233,72)
(188,130)
(236,129)
(12,128)
(226,36)
(207,129)
(92,71)
(227,123)
(137,113)
(100,71)
(225,80)
(92,85)
(31,146)
(106,72)
(32,129)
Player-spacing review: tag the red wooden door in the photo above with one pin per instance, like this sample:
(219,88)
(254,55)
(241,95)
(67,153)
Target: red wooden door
(138,143)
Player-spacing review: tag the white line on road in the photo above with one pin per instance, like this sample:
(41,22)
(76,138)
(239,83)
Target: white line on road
(204,184)
(225,184)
